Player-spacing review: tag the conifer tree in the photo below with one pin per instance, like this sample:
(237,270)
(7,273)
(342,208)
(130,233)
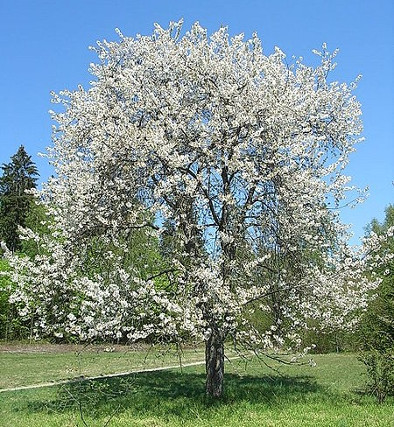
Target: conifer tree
(19,175)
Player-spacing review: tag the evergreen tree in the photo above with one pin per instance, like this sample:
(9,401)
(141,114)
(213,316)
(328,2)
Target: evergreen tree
(19,175)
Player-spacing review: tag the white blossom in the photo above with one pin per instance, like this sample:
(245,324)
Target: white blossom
(244,153)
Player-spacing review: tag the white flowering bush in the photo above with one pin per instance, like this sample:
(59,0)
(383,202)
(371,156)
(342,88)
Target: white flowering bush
(243,153)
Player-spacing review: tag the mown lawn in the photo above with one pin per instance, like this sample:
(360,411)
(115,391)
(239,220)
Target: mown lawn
(19,367)
(324,395)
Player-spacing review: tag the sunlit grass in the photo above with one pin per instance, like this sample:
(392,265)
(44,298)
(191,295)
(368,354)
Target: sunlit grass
(324,395)
(27,368)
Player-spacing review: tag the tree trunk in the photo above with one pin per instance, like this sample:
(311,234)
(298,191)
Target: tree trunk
(214,364)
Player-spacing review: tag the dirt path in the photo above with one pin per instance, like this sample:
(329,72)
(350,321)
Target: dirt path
(16,347)
(119,374)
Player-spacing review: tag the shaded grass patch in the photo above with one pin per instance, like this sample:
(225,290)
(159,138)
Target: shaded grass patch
(169,394)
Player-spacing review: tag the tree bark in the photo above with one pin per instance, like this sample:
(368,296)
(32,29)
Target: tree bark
(214,364)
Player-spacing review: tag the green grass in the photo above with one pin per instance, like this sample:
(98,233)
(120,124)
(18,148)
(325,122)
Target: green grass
(325,395)
(24,368)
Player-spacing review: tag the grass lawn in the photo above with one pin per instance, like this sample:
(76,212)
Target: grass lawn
(324,395)
(46,363)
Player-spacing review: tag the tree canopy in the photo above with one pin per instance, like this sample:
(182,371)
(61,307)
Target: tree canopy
(236,155)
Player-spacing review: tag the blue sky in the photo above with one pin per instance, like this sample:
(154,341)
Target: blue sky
(44,47)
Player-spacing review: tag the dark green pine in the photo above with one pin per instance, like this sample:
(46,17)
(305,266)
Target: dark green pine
(19,175)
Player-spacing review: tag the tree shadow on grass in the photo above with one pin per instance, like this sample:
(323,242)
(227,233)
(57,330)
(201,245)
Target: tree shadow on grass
(167,394)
